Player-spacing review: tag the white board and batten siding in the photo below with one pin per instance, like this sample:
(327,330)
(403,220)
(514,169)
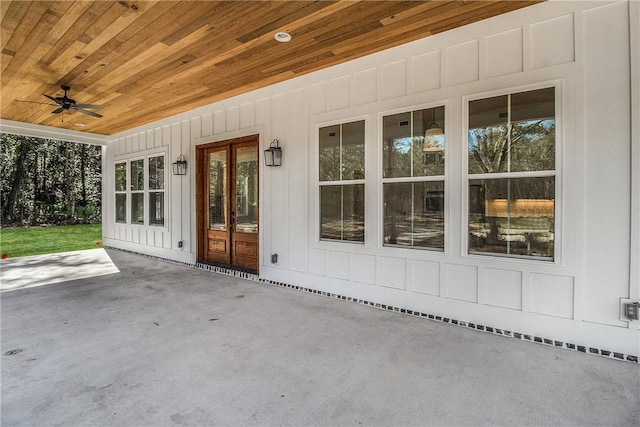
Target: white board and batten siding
(582,48)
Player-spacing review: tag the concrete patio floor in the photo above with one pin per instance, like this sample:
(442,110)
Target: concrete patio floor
(165,344)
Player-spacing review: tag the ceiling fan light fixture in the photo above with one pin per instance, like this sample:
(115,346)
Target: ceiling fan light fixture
(282,37)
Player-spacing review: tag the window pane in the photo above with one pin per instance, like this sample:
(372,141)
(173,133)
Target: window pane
(353,150)
(396,145)
(218,190)
(137,208)
(121,177)
(488,135)
(331,212)
(530,146)
(121,208)
(342,152)
(353,213)
(156,208)
(330,153)
(247,190)
(414,143)
(428,142)
(137,175)
(414,214)
(513,216)
(156,173)
(533,130)
(342,212)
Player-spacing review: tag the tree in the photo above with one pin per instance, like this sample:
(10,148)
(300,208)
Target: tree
(45,181)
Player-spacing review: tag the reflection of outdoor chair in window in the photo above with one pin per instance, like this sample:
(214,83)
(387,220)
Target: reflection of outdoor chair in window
(526,230)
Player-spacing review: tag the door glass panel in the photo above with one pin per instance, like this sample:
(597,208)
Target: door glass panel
(246,190)
(218,190)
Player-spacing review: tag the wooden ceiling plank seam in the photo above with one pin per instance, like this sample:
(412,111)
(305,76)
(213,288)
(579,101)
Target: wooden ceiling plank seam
(426,7)
(400,27)
(11,25)
(170,57)
(371,14)
(80,21)
(4,9)
(116,50)
(94,63)
(284,18)
(290,27)
(46,21)
(189,21)
(23,37)
(214,60)
(157,68)
(470,18)
(151,56)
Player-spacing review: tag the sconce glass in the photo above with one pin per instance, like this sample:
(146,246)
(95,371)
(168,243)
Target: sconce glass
(273,154)
(180,166)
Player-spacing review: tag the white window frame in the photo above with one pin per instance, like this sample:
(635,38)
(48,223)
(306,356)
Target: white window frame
(121,192)
(431,178)
(149,190)
(145,191)
(556,173)
(318,184)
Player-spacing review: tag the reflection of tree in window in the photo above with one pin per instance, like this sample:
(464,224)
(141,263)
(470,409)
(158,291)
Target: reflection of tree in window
(246,189)
(341,176)
(511,135)
(217,190)
(413,153)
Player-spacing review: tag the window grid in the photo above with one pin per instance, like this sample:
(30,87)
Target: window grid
(136,197)
(523,221)
(347,224)
(428,233)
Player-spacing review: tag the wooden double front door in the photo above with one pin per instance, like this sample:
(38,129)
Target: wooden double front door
(227,201)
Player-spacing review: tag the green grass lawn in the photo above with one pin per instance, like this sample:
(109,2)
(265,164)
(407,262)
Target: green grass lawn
(16,242)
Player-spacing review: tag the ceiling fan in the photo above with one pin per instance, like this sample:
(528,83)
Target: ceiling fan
(67,104)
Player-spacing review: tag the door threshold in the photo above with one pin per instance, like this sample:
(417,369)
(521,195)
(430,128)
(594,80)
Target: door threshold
(228,267)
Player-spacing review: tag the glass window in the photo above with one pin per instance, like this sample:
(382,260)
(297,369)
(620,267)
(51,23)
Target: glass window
(156,197)
(341,176)
(413,146)
(414,214)
(120,190)
(156,208)
(342,212)
(511,138)
(121,176)
(137,208)
(156,173)
(136,195)
(136,168)
(137,175)
(121,207)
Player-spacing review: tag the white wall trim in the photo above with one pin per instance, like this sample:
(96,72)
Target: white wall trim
(39,131)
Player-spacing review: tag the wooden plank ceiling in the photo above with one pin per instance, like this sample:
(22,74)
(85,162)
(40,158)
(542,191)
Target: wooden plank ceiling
(146,60)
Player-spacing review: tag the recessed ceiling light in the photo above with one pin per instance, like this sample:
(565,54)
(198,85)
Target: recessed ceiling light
(283,37)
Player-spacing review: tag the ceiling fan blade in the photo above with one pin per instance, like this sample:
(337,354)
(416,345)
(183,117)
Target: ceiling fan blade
(53,99)
(57,110)
(36,102)
(88,113)
(92,106)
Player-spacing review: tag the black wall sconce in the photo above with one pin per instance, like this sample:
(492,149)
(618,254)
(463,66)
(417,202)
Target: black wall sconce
(273,154)
(180,166)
